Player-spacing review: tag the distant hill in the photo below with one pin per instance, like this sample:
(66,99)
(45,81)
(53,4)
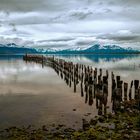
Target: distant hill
(96,49)
(15,49)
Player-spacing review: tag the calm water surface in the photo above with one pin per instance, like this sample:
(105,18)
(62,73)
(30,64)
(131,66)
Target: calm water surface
(30,94)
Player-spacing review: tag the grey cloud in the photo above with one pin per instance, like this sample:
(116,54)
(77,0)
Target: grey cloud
(22,5)
(122,2)
(77,41)
(126,38)
(63,41)
(42,18)
(73,15)
(53,5)
(57,40)
(122,37)
(49,11)
(16,32)
(37,5)
(27,5)
(80,14)
(17,40)
(55,45)
(51,45)
(84,42)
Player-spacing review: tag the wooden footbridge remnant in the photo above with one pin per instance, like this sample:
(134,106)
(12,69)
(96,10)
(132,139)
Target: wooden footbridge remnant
(93,83)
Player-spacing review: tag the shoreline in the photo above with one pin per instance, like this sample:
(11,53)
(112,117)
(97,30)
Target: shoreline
(125,124)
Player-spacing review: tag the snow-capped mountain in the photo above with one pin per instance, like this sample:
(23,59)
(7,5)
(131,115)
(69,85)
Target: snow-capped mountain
(97,48)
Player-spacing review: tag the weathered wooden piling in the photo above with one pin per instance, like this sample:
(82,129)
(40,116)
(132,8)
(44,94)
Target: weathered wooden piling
(118,78)
(86,97)
(125,90)
(118,81)
(82,92)
(138,100)
(136,85)
(74,85)
(112,75)
(73,74)
(130,94)
(99,79)
(105,80)
(131,84)
(95,75)
(100,72)
(90,95)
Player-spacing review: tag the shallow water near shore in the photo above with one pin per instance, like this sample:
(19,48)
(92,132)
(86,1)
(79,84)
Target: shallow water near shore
(30,94)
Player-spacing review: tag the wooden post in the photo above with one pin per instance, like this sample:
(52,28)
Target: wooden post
(136,85)
(100,72)
(74,84)
(130,94)
(125,90)
(130,91)
(118,80)
(107,74)
(90,95)
(139,98)
(82,92)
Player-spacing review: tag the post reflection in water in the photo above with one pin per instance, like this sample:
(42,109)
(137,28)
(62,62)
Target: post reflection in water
(93,84)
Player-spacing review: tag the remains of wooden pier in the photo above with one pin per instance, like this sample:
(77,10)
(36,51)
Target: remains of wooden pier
(93,84)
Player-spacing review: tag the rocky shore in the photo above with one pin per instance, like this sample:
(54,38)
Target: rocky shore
(124,125)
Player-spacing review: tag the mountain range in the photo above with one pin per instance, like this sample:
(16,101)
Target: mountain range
(12,48)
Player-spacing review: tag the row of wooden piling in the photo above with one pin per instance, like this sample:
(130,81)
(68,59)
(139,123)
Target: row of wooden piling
(92,83)
(35,58)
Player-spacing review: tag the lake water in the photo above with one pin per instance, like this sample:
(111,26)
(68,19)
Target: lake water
(30,94)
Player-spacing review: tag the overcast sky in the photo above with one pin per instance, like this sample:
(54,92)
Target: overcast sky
(74,23)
